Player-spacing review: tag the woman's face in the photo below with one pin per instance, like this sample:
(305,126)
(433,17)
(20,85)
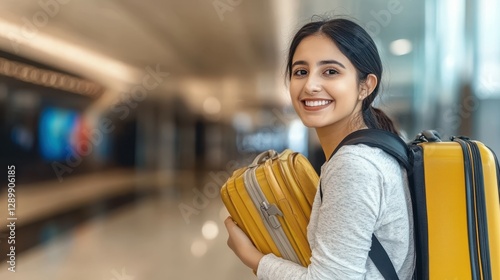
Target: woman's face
(323,86)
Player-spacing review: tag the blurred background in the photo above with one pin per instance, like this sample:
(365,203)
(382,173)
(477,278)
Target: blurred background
(123,118)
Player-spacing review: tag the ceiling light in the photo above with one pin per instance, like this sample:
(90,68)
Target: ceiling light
(198,248)
(212,105)
(210,230)
(401,47)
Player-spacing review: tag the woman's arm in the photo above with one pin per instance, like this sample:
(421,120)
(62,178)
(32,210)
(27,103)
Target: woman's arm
(242,246)
(341,233)
(251,257)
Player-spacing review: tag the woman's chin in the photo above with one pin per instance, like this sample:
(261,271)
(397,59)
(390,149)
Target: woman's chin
(311,124)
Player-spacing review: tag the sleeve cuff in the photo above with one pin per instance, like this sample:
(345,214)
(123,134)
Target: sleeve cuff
(264,264)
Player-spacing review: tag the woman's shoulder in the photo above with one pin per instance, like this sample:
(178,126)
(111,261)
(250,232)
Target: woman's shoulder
(362,157)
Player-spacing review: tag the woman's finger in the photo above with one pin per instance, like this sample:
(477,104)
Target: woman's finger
(229,223)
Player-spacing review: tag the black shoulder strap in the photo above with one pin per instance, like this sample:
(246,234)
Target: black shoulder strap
(396,147)
(381,259)
(384,140)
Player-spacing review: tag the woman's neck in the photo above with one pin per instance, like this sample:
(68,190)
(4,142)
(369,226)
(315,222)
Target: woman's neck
(331,136)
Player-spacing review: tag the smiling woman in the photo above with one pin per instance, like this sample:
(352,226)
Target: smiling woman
(324,86)
(334,70)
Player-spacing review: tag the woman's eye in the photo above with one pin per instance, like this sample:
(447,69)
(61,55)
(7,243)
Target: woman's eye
(300,72)
(331,72)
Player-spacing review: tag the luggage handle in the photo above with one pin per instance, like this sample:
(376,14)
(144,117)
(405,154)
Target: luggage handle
(427,136)
(263,157)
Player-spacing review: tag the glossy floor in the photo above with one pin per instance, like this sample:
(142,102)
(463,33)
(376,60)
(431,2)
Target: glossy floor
(147,240)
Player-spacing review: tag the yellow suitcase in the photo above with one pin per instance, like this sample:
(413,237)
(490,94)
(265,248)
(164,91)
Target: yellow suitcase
(271,202)
(463,210)
(456,203)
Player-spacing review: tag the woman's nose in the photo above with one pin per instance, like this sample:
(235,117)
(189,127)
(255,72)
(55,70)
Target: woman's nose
(312,86)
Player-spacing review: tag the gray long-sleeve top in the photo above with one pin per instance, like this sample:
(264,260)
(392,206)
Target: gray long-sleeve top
(365,191)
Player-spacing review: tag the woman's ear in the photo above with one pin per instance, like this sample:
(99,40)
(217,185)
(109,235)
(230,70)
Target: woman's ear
(368,86)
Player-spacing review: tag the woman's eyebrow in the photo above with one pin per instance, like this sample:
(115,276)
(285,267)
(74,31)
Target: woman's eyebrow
(299,62)
(322,62)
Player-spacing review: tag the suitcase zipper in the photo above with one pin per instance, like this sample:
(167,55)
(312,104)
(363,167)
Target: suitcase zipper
(481,210)
(269,213)
(471,210)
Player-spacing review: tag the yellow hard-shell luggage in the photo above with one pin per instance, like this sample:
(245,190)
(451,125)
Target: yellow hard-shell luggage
(271,202)
(463,210)
(454,188)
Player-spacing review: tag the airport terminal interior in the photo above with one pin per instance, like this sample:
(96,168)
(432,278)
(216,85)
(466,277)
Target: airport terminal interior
(121,119)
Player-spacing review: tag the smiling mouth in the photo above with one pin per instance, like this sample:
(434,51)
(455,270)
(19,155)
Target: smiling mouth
(316,103)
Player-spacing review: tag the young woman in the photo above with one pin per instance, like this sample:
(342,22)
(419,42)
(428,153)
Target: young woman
(335,71)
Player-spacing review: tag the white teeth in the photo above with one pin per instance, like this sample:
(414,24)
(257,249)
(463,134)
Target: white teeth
(315,103)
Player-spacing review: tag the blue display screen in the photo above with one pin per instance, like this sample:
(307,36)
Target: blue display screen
(56,131)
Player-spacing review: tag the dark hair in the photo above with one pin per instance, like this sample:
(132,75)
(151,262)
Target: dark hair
(355,43)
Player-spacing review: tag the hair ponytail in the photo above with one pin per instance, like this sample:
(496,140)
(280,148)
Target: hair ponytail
(376,118)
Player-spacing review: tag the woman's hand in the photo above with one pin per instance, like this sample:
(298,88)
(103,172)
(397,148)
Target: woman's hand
(242,246)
